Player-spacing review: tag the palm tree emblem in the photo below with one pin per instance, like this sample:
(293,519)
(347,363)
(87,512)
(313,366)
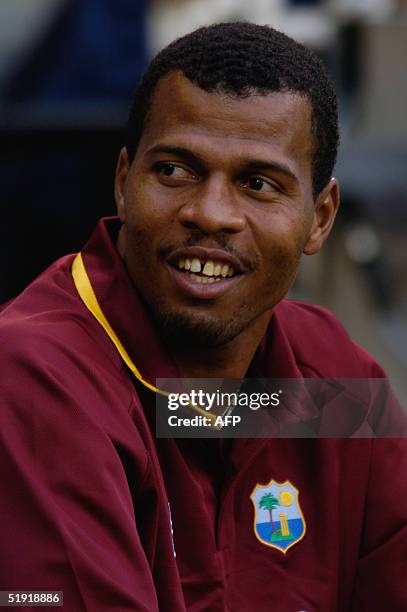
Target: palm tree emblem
(269,502)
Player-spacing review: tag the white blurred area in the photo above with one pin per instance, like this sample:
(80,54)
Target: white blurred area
(314,25)
(22,23)
(170,20)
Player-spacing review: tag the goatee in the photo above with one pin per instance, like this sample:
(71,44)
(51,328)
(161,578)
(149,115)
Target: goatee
(184,333)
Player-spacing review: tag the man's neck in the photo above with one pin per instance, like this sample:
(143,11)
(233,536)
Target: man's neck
(231,360)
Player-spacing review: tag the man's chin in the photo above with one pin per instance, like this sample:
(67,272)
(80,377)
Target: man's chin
(188,333)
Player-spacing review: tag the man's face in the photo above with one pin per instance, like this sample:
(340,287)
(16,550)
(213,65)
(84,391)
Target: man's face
(217,207)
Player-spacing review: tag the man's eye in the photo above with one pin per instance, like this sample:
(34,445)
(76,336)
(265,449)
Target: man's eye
(166,169)
(256,183)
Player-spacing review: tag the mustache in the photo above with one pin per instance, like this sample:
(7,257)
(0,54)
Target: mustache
(219,241)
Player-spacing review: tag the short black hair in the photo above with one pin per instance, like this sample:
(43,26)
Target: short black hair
(241,59)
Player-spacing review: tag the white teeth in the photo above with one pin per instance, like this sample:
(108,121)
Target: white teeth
(208,268)
(203,280)
(195,265)
(225,271)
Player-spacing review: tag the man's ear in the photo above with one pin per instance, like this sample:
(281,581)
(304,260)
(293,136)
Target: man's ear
(326,207)
(122,170)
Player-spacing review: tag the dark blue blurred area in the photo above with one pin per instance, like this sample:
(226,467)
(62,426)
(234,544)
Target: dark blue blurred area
(63,125)
(306,3)
(95,51)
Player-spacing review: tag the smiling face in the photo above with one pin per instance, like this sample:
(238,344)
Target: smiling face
(217,208)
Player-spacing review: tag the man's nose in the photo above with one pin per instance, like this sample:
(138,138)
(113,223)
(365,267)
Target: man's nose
(213,208)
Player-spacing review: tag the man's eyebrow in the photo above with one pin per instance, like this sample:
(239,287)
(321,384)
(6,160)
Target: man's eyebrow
(254,165)
(178,151)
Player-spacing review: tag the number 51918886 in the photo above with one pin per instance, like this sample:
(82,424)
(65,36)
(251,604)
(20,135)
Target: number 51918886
(32,598)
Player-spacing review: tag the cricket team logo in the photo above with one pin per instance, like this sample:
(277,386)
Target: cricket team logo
(278,518)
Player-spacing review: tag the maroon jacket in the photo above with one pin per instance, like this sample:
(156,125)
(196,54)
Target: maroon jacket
(86,488)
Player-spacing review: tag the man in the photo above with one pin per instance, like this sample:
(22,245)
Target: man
(226,179)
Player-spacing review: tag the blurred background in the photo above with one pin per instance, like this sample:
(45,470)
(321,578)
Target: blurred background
(67,72)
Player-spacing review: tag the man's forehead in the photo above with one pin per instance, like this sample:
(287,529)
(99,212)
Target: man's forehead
(175,93)
(180,104)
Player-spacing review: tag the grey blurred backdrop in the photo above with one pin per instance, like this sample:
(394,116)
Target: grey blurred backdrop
(67,72)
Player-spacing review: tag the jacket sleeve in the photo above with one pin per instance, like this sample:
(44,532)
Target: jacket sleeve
(67,519)
(380,582)
(381,577)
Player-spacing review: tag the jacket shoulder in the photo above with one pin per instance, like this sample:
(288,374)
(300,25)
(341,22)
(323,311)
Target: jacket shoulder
(321,344)
(53,353)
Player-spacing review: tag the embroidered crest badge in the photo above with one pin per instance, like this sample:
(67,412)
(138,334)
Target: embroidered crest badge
(278,518)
